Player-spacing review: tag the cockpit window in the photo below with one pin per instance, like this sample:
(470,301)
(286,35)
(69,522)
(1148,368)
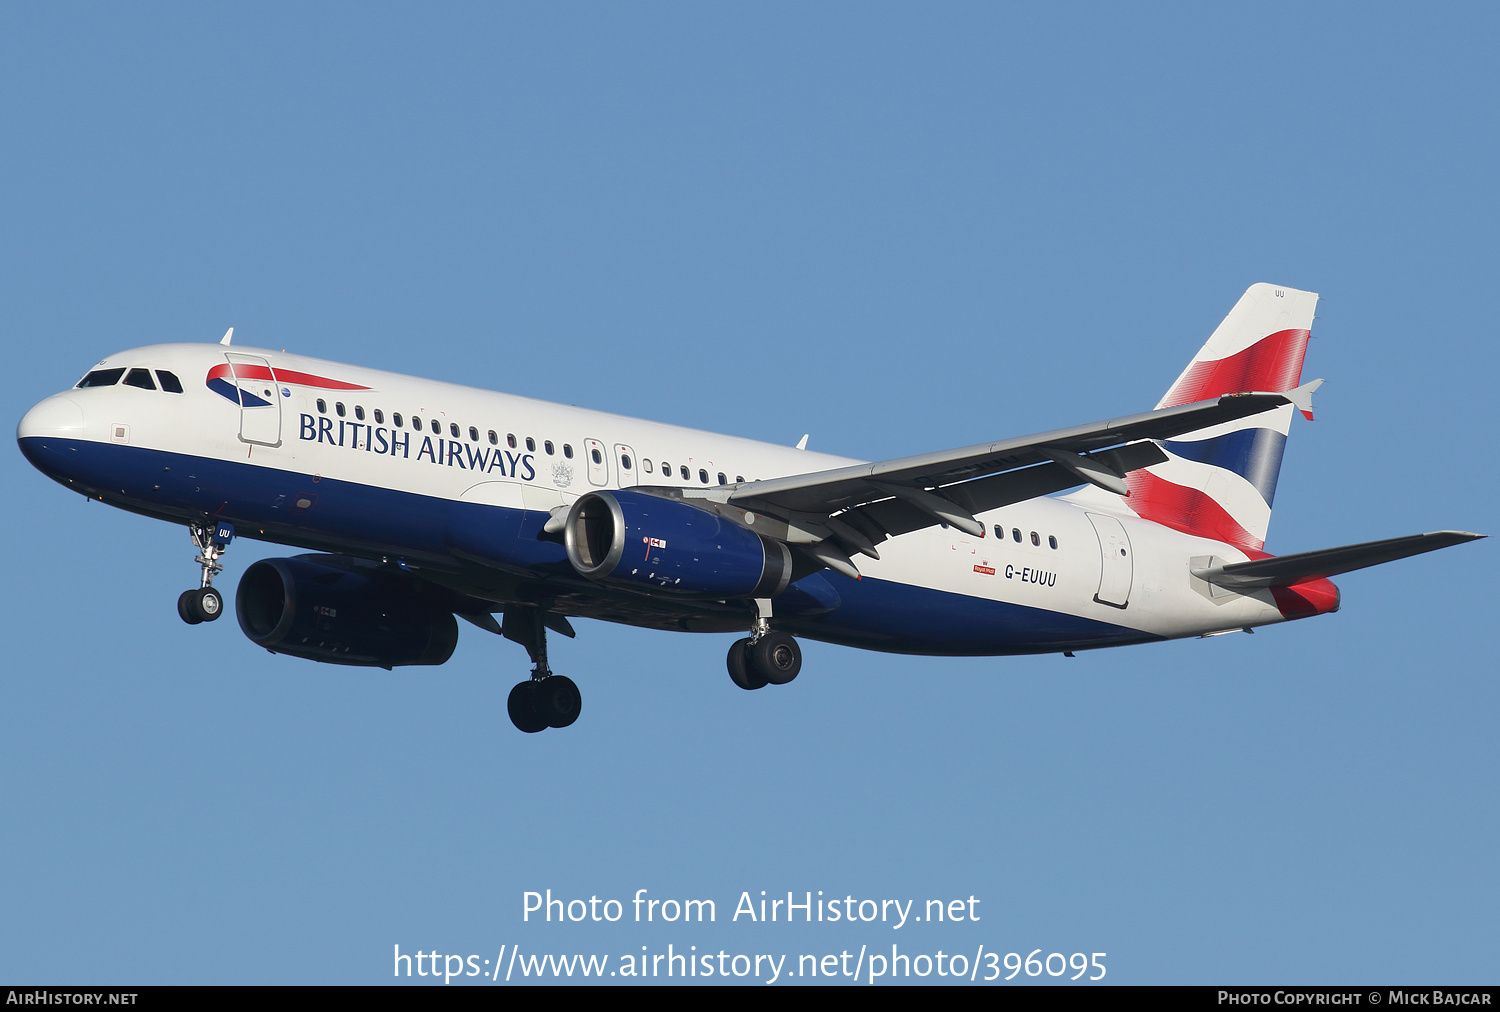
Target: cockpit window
(140,378)
(102,378)
(169,381)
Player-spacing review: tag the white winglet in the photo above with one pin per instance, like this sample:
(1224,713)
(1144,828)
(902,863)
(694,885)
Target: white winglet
(228,336)
(1302,397)
(802,443)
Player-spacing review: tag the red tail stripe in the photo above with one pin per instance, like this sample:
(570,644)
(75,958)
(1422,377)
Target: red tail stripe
(244,370)
(1305,599)
(1274,364)
(1186,509)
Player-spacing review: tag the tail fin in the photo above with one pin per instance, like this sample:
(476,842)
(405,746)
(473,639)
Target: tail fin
(1220,482)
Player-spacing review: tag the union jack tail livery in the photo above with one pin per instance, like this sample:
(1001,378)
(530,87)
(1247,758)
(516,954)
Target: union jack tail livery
(1220,482)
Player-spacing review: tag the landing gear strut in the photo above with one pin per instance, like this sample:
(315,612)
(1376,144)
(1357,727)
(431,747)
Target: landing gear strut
(766,657)
(544,700)
(205,604)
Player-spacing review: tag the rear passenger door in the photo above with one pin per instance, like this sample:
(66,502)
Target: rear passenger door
(1118,568)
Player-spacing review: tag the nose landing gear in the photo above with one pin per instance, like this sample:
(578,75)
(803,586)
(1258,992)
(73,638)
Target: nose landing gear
(206,604)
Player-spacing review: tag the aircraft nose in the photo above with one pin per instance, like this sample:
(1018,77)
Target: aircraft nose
(58,415)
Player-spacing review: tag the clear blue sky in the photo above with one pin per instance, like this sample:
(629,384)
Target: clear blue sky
(898,227)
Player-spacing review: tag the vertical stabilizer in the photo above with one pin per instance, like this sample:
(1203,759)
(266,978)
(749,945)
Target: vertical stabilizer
(1220,482)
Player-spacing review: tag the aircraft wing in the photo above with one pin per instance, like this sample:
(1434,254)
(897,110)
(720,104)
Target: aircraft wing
(843,487)
(854,508)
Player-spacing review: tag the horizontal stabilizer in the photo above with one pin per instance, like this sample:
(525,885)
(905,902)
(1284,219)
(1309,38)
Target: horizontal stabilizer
(1302,397)
(1285,570)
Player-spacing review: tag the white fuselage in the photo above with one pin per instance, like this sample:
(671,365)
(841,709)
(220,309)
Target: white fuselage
(516,454)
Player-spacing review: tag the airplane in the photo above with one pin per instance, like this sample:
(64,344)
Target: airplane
(423,501)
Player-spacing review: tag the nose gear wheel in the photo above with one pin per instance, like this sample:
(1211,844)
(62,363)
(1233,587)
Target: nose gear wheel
(203,605)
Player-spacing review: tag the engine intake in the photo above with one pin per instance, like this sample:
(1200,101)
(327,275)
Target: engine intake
(327,608)
(644,542)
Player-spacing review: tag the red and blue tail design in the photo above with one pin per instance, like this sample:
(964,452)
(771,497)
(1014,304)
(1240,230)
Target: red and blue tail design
(1220,482)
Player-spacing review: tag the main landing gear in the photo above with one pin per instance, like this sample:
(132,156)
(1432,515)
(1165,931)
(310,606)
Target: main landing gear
(766,657)
(206,604)
(544,700)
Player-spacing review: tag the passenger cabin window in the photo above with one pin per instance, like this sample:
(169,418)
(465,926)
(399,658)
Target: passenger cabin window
(510,440)
(598,457)
(1036,540)
(473,434)
(1052,542)
(322,406)
(685,475)
(379,417)
(169,381)
(702,476)
(494,439)
(723,480)
(1000,532)
(548,447)
(1015,533)
(568,450)
(647,465)
(339,407)
(140,378)
(740,478)
(624,461)
(102,378)
(531,444)
(396,418)
(359,412)
(453,429)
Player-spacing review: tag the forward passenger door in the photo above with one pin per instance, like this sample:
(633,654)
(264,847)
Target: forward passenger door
(260,399)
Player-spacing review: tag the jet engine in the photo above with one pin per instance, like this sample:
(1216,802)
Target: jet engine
(644,542)
(332,609)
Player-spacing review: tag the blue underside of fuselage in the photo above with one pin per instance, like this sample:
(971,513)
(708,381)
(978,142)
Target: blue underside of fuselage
(373,522)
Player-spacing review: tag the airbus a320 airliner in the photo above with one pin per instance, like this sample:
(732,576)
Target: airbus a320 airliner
(428,501)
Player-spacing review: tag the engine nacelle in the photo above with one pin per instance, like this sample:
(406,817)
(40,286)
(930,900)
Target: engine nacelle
(344,614)
(644,542)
